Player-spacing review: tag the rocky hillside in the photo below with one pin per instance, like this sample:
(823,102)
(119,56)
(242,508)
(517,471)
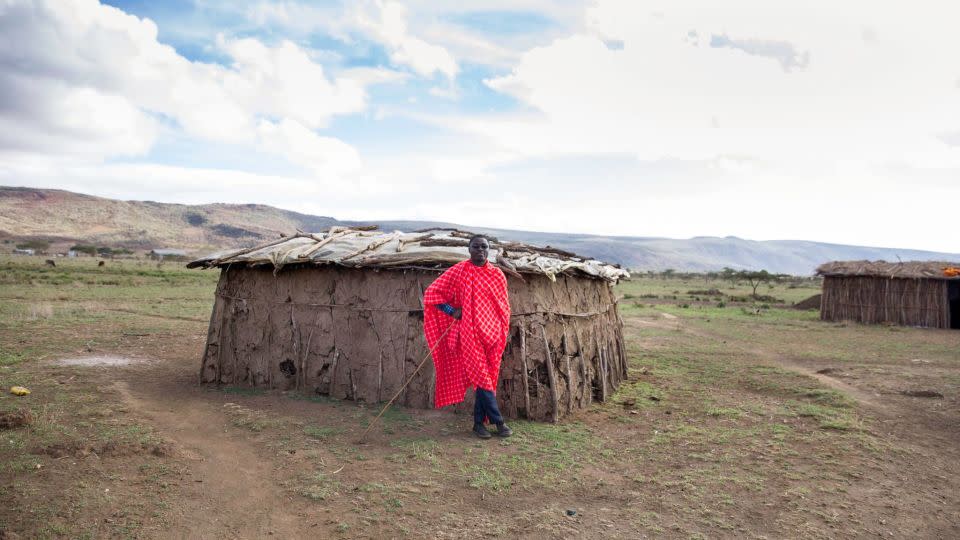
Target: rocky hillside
(27,213)
(55,214)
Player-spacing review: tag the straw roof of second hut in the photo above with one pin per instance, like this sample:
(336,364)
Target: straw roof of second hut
(366,247)
(883,269)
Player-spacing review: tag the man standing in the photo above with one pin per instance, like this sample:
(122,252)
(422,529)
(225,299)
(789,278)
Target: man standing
(470,299)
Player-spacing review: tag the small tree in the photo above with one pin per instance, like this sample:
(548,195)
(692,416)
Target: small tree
(731,275)
(755,278)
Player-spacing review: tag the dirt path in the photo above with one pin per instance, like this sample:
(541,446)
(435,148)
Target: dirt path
(229,490)
(863,397)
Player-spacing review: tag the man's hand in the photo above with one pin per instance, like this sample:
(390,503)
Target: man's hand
(456,313)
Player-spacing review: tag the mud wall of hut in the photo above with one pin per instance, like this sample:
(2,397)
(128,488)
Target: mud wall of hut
(358,334)
(902,301)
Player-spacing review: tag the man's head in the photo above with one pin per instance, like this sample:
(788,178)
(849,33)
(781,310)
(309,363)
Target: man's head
(479,249)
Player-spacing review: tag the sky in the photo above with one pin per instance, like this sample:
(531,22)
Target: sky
(763,119)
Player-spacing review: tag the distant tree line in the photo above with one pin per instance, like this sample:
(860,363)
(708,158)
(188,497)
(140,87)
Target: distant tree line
(36,245)
(753,278)
(103,251)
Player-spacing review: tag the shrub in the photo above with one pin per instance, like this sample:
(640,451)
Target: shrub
(195,219)
(84,248)
(706,292)
(38,245)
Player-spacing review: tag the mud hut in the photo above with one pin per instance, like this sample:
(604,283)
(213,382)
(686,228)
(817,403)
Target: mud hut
(923,294)
(340,314)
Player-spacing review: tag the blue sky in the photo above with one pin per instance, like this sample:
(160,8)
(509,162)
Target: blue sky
(819,121)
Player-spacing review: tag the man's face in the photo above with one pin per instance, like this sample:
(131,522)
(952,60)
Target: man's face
(479,248)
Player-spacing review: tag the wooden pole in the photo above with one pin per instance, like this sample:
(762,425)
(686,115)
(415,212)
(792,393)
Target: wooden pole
(526,373)
(213,317)
(551,375)
(603,371)
(566,358)
(583,366)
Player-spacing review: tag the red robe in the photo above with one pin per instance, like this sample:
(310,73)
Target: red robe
(469,354)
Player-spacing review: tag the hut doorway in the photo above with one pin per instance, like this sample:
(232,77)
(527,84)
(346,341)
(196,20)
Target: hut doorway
(954,296)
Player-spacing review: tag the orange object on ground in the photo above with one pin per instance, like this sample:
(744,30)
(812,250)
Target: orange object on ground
(951,271)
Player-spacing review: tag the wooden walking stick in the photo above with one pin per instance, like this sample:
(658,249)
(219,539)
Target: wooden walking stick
(409,380)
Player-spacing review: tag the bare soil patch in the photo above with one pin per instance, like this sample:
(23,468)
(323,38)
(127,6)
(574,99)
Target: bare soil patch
(810,303)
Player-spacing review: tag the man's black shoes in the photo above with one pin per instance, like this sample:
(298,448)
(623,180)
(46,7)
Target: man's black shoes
(502,431)
(481,431)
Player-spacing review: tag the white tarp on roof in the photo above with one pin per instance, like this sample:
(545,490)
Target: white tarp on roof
(432,248)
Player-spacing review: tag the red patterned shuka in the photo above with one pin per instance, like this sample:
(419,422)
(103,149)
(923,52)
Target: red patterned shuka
(470,353)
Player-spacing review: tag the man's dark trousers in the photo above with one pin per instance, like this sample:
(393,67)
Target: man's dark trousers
(485,406)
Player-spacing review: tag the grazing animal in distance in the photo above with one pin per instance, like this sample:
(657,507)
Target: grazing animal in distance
(51,262)
(101,263)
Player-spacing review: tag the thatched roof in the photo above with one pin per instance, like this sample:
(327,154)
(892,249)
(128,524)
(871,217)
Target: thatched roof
(364,247)
(883,269)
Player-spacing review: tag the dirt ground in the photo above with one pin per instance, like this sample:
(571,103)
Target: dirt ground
(732,425)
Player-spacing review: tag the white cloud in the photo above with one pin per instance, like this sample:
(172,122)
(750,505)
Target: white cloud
(406,28)
(386,21)
(383,21)
(326,156)
(151,181)
(59,119)
(86,79)
(283,81)
(665,95)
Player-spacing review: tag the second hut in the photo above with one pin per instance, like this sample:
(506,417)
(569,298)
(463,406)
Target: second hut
(925,294)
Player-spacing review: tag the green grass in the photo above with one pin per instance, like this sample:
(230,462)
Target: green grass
(10,358)
(826,417)
(254,421)
(641,288)
(78,291)
(487,478)
(317,486)
(393,420)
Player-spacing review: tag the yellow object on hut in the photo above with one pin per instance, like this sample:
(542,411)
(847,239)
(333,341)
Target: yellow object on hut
(19,391)
(951,271)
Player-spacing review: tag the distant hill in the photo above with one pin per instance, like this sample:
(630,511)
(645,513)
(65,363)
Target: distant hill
(27,213)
